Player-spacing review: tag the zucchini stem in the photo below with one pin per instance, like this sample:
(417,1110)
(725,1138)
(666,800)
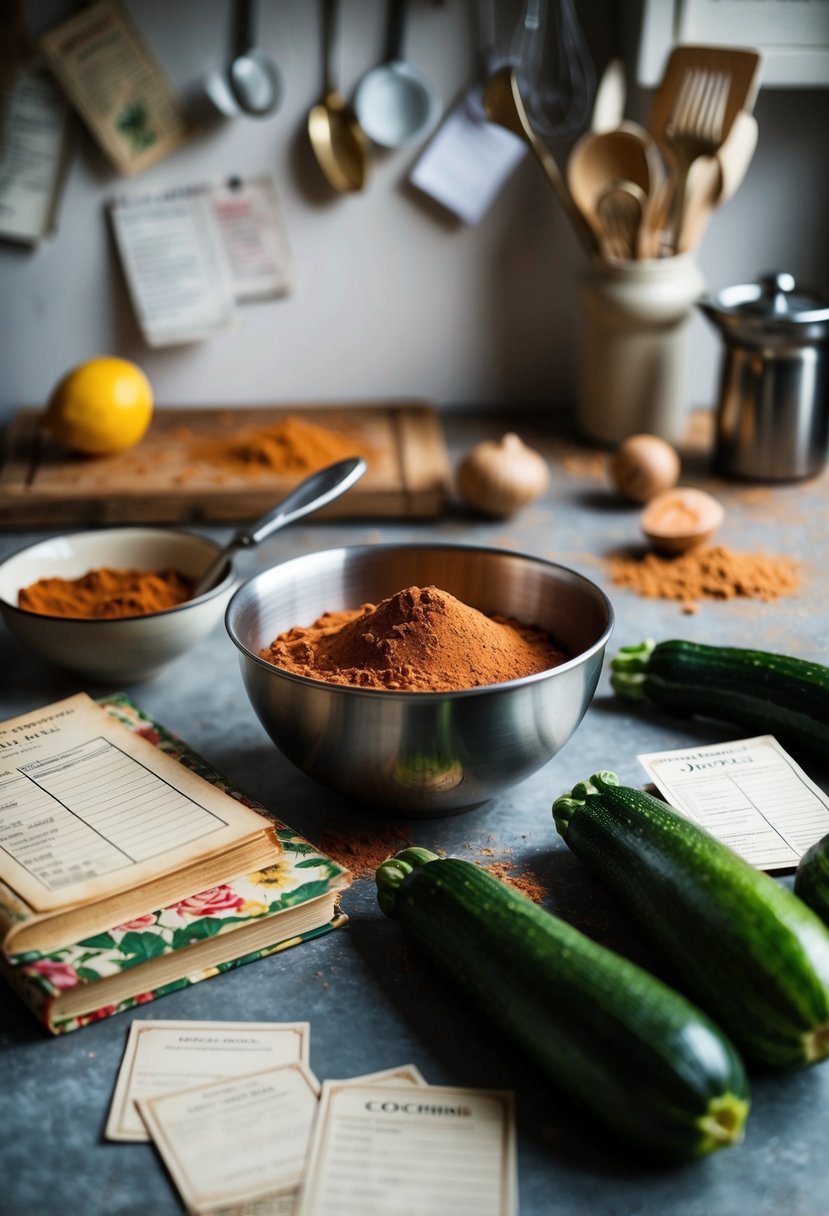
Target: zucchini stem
(565,807)
(723,1123)
(816,1044)
(628,669)
(392,873)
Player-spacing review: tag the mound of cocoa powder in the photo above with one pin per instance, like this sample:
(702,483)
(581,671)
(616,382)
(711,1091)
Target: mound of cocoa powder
(421,639)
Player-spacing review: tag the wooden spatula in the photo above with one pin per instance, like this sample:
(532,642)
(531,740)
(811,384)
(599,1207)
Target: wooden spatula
(703,90)
(742,66)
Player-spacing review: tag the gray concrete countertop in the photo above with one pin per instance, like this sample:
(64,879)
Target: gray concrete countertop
(369,1002)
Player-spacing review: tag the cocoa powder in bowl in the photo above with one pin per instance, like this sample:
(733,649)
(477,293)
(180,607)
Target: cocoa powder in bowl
(421,639)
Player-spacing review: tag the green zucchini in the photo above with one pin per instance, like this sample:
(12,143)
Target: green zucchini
(769,693)
(637,1055)
(811,880)
(740,944)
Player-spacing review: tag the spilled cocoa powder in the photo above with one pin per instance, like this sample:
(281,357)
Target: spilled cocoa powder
(421,639)
(708,573)
(523,881)
(362,852)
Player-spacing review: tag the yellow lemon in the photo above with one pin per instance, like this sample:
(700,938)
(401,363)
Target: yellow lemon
(100,407)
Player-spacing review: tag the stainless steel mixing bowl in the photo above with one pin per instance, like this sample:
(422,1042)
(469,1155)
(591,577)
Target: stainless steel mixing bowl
(421,753)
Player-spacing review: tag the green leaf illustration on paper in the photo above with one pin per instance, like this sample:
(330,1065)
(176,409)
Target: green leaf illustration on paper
(133,122)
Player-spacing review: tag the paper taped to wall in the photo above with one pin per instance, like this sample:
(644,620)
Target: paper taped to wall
(190,253)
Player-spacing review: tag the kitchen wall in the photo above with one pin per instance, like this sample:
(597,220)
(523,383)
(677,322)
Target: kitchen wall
(392,296)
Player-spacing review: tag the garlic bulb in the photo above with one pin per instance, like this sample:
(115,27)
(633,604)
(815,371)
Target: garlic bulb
(643,466)
(500,477)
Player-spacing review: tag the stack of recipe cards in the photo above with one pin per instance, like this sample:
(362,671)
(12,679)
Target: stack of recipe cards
(243,1126)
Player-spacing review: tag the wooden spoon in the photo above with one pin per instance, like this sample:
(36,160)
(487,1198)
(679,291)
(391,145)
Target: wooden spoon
(600,159)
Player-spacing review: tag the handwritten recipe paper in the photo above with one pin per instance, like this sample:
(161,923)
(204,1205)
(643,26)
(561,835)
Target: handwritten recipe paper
(191,253)
(386,1151)
(750,794)
(162,1057)
(33,154)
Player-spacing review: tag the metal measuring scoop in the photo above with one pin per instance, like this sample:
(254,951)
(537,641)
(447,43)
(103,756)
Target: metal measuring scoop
(395,102)
(251,83)
(311,494)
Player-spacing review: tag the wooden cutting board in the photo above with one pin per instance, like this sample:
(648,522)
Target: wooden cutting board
(168,479)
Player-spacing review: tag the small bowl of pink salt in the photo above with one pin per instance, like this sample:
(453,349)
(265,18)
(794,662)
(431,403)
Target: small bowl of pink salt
(420,679)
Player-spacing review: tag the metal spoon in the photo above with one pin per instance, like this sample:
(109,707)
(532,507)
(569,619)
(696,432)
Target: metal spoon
(340,144)
(251,84)
(314,492)
(504,105)
(395,103)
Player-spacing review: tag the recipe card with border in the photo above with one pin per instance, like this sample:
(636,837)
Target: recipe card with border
(99,826)
(237,1140)
(374,1139)
(162,1057)
(749,793)
(405,1074)
(282,1203)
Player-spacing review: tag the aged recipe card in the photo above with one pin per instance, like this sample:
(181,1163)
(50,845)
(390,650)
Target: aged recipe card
(370,1144)
(108,72)
(161,1057)
(750,794)
(237,1140)
(100,826)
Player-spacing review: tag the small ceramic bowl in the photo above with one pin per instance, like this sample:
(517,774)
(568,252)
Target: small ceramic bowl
(125,650)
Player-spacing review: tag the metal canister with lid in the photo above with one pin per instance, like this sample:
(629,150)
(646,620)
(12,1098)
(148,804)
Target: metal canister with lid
(773,413)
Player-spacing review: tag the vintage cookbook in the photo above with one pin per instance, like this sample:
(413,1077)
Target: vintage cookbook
(129,867)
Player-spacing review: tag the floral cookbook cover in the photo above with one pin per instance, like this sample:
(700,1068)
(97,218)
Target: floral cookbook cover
(302,873)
